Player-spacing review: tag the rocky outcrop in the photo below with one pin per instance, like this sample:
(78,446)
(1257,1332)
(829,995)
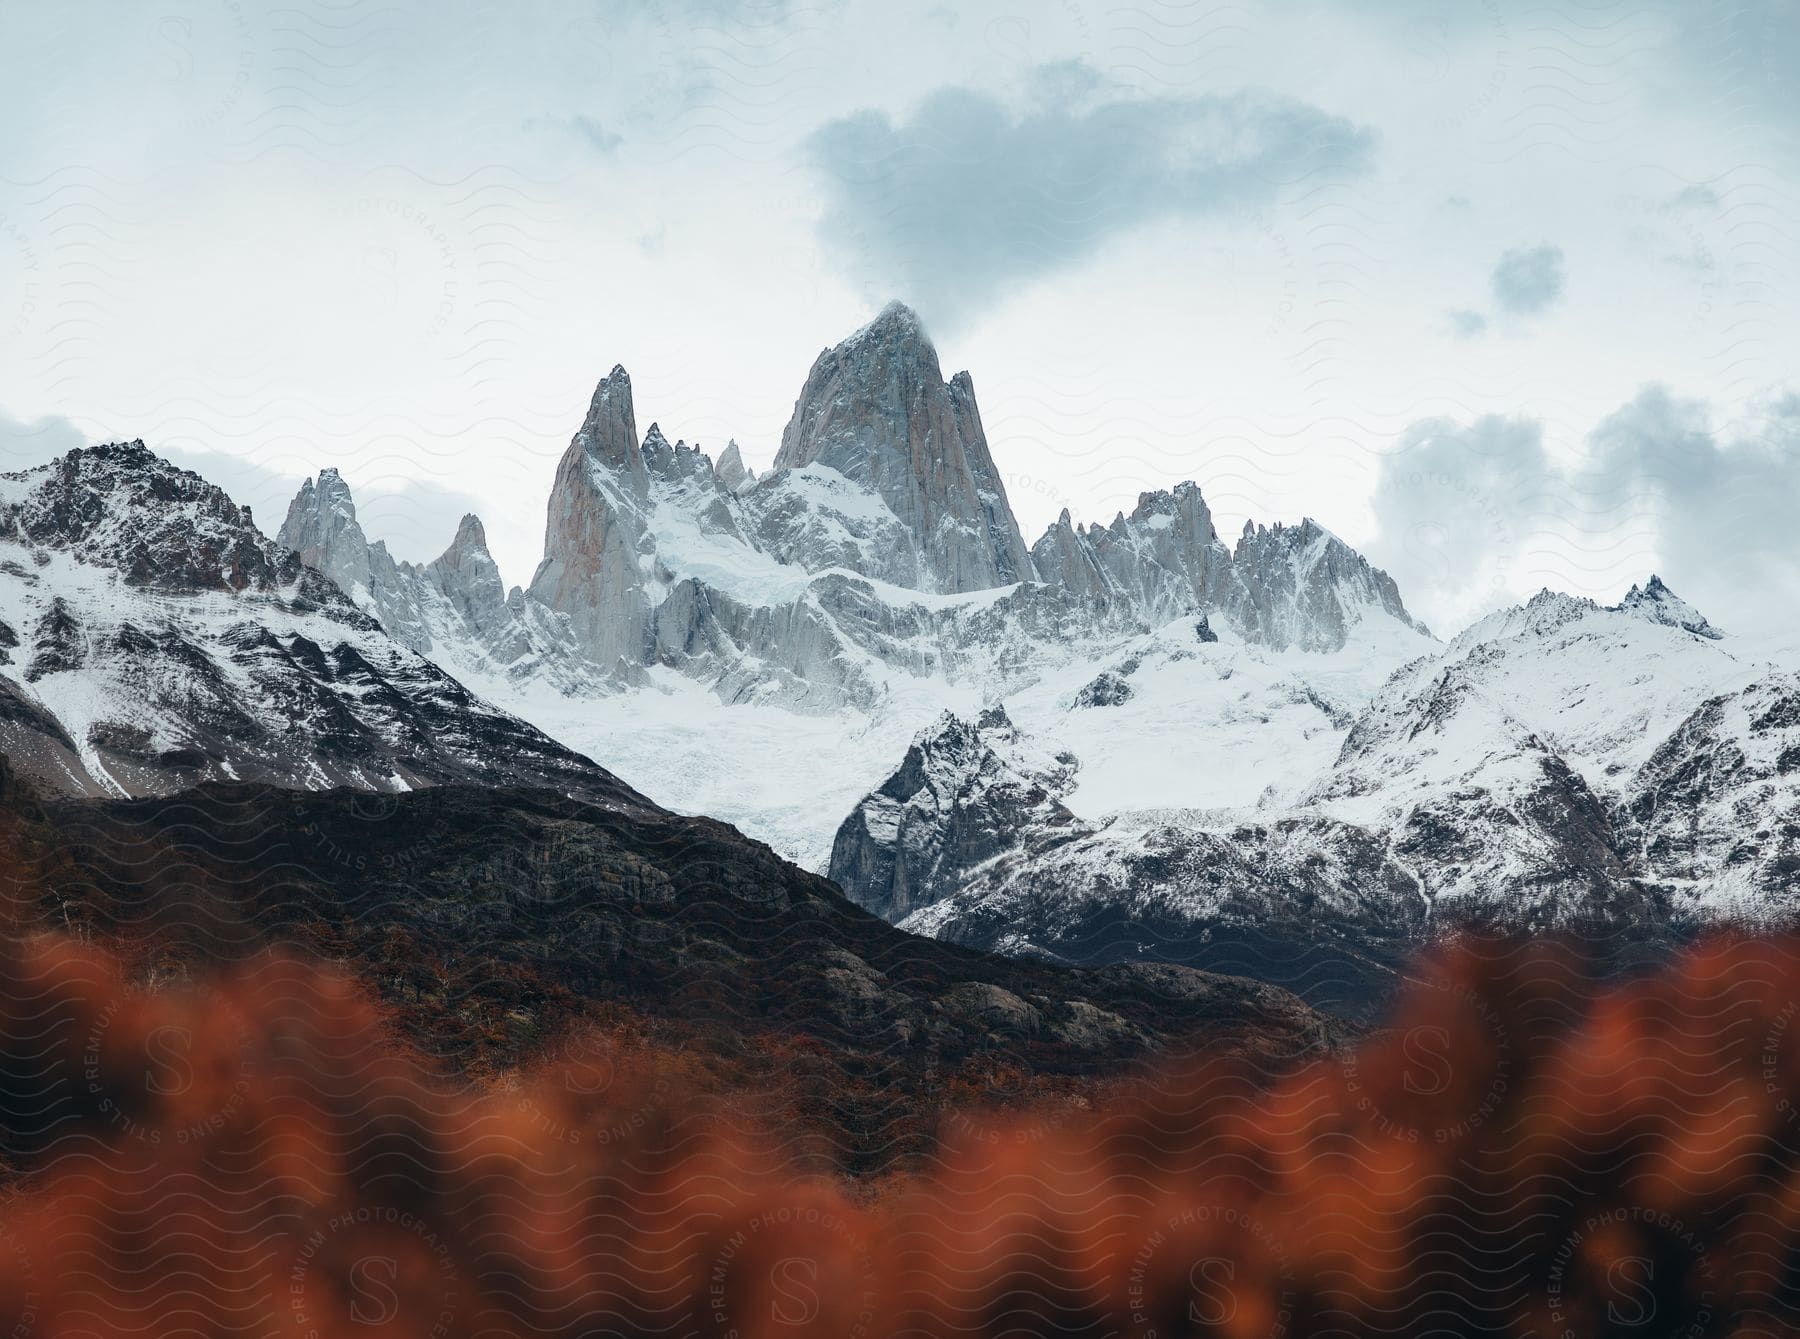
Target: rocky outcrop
(454,609)
(1163,561)
(969,840)
(876,409)
(1657,603)
(736,476)
(1717,805)
(121,507)
(595,532)
(1505,783)
(963,794)
(1302,586)
(1298,587)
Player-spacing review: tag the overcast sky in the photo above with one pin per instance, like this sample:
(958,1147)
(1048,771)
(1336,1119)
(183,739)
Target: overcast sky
(1505,294)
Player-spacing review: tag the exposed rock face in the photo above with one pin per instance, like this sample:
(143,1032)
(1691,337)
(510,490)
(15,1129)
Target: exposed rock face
(171,643)
(766,589)
(963,794)
(1718,802)
(121,507)
(970,841)
(1304,587)
(1164,560)
(1659,604)
(733,473)
(877,410)
(321,527)
(1109,688)
(595,532)
(1298,587)
(608,435)
(1506,782)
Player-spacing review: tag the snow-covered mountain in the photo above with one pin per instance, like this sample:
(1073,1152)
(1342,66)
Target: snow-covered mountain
(153,638)
(455,608)
(1125,741)
(764,647)
(1617,771)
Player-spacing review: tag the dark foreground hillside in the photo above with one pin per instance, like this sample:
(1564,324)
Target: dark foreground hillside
(504,926)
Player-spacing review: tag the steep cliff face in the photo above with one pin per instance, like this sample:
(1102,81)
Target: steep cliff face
(594,533)
(877,410)
(733,473)
(965,793)
(1162,561)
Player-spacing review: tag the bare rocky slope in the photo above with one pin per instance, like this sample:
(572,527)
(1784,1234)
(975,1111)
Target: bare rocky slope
(496,920)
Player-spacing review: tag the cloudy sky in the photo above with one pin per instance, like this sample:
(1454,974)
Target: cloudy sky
(1508,294)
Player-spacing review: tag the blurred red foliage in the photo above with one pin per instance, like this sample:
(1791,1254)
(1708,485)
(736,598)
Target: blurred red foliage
(1520,1153)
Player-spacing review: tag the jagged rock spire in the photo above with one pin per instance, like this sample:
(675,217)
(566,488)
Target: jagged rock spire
(593,528)
(609,432)
(732,471)
(876,409)
(1657,603)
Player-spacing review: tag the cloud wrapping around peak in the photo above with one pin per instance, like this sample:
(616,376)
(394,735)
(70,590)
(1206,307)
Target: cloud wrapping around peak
(1454,502)
(968,197)
(1468,513)
(1529,279)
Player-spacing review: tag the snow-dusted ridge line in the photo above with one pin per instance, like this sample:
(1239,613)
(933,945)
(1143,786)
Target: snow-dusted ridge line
(840,601)
(152,638)
(881,534)
(1561,765)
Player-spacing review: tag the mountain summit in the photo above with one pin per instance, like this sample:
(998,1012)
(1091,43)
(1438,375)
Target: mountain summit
(1656,602)
(876,409)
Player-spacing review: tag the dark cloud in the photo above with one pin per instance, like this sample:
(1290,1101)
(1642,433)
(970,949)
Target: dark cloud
(1529,279)
(1466,324)
(968,197)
